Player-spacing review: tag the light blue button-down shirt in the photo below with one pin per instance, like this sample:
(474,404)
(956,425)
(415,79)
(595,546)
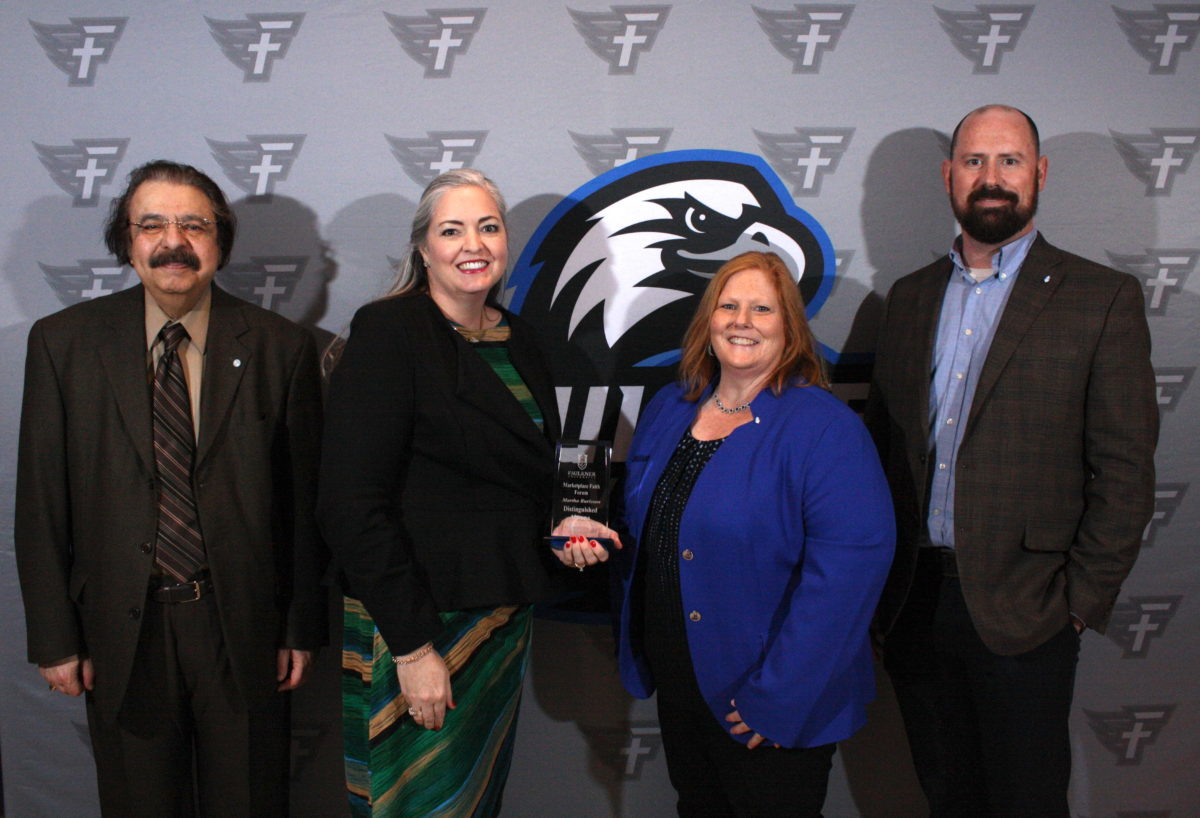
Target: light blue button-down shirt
(970,312)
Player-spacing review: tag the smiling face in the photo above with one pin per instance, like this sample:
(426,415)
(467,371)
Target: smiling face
(746,329)
(994,177)
(466,247)
(175,268)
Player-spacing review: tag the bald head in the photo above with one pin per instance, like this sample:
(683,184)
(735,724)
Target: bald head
(1004,109)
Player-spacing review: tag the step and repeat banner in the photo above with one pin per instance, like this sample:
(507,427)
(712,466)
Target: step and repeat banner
(827,122)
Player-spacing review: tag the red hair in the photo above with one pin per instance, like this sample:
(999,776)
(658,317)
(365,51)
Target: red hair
(799,362)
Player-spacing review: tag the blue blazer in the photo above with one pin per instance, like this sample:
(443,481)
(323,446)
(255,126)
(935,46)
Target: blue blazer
(791,531)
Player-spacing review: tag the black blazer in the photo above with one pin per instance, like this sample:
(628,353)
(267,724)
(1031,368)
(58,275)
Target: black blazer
(86,505)
(435,483)
(1055,474)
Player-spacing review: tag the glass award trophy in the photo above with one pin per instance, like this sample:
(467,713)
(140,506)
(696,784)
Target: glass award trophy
(581,488)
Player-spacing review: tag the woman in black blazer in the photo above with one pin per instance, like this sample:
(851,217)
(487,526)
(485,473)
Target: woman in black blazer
(435,490)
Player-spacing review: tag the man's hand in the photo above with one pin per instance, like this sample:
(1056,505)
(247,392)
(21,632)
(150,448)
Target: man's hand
(291,668)
(71,675)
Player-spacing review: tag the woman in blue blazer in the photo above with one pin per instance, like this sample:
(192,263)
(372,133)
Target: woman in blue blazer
(759,531)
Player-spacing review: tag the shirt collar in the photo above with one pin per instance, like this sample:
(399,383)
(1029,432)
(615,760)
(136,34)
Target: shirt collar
(1006,261)
(195,321)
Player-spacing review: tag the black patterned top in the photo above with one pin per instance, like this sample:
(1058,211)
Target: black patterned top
(665,640)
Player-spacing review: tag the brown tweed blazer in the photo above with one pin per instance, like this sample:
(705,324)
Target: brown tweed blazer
(1055,478)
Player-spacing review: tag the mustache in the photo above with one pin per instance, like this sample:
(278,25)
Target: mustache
(176,255)
(992,192)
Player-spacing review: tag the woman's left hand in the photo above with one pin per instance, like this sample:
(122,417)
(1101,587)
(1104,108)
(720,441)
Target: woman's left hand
(582,548)
(741,728)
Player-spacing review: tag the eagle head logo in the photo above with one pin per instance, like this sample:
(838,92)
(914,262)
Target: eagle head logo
(614,273)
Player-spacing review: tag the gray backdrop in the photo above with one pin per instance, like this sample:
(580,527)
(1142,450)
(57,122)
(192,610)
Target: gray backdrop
(323,120)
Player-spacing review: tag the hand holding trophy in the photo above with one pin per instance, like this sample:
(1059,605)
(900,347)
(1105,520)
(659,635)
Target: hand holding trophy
(580,536)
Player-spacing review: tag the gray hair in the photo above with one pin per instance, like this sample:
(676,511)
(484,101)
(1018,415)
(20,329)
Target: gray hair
(411,273)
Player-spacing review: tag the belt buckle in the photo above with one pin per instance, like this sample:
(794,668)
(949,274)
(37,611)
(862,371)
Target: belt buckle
(195,585)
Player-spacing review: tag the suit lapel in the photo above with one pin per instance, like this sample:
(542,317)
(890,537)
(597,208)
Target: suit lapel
(923,335)
(1035,284)
(477,385)
(226,357)
(122,354)
(524,353)
(913,312)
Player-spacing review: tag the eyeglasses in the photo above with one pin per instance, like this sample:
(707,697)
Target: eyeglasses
(192,228)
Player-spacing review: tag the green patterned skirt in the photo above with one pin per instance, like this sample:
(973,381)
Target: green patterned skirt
(395,768)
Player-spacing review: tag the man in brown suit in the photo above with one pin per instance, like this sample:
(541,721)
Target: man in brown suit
(1013,404)
(165,540)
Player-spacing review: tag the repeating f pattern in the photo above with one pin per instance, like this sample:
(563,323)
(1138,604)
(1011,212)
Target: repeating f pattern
(619,37)
(179,548)
(89,278)
(603,152)
(805,34)
(83,166)
(1162,34)
(985,35)
(1159,157)
(435,39)
(78,48)
(254,44)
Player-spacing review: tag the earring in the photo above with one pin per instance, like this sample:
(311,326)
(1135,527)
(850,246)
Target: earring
(710,350)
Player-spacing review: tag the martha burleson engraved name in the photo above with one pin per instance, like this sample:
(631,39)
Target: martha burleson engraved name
(581,489)
(583,493)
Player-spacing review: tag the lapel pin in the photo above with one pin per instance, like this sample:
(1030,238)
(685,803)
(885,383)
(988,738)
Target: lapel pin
(1046,280)
(756,420)
(237,362)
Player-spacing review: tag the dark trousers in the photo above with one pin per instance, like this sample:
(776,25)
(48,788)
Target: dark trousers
(715,775)
(183,713)
(988,733)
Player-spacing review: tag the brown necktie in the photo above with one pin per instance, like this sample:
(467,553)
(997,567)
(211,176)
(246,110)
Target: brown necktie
(179,548)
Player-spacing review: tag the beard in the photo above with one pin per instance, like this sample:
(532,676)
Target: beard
(992,224)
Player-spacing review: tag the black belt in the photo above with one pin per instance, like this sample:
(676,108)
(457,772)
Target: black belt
(180,592)
(944,558)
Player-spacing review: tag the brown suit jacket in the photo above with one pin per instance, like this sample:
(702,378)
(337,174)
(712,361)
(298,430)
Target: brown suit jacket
(86,509)
(1055,476)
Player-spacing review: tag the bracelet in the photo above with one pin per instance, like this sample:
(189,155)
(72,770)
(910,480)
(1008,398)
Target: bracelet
(416,655)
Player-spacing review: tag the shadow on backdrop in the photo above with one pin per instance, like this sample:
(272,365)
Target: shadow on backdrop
(906,223)
(906,219)
(1092,204)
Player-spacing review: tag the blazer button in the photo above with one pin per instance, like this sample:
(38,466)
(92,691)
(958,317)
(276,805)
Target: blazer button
(687,554)
(145,548)
(694,616)
(135,613)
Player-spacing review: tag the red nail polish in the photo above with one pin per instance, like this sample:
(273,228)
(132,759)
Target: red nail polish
(595,544)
